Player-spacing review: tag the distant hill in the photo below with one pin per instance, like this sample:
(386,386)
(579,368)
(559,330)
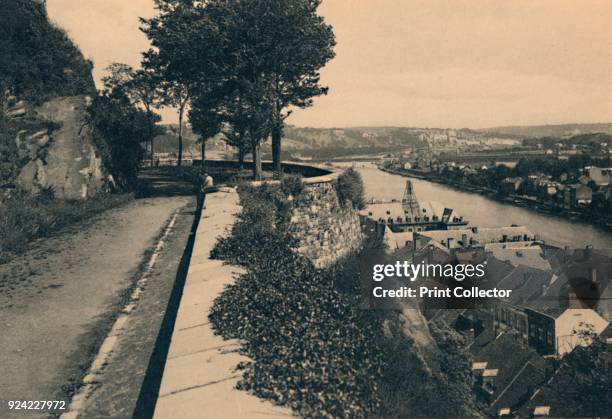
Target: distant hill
(558,131)
(362,137)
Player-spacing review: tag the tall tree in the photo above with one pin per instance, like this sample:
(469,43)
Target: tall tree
(177,95)
(173,92)
(294,43)
(142,87)
(205,120)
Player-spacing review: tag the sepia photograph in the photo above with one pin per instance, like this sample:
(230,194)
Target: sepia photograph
(236,209)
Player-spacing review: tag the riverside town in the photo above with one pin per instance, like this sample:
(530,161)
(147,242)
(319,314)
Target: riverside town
(247,209)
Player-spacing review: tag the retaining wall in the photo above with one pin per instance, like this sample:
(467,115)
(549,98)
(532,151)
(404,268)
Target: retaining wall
(325,229)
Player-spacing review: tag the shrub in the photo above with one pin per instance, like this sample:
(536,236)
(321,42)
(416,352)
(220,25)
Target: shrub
(24,218)
(351,189)
(292,185)
(313,349)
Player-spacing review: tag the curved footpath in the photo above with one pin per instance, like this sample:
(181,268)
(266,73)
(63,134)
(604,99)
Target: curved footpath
(200,373)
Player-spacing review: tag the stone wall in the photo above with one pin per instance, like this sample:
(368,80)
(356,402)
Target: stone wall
(325,229)
(65,158)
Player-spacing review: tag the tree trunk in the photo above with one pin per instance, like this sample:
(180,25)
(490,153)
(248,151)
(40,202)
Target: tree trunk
(150,133)
(241,150)
(152,152)
(256,161)
(276,151)
(241,157)
(180,138)
(203,154)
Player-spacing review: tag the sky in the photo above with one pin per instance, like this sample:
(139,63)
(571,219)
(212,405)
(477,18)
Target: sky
(430,63)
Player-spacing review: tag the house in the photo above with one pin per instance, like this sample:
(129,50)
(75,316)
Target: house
(600,176)
(507,371)
(553,332)
(520,253)
(577,195)
(511,185)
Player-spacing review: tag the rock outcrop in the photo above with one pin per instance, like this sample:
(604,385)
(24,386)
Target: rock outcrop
(64,159)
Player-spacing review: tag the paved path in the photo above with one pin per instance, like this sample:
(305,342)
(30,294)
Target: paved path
(63,292)
(199,375)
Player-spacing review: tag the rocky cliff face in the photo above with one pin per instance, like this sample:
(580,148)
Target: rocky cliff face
(66,158)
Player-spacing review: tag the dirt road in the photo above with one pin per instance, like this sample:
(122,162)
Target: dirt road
(58,300)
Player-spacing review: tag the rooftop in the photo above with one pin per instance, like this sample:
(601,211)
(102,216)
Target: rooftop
(481,236)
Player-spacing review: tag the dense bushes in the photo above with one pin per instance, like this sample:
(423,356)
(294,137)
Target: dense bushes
(24,217)
(313,348)
(38,61)
(351,189)
(119,129)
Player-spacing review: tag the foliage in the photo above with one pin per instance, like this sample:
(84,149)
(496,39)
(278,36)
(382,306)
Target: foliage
(292,185)
(589,371)
(312,347)
(24,218)
(119,129)
(143,89)
(351,189)
(249,60)
(38,60)
(414,382)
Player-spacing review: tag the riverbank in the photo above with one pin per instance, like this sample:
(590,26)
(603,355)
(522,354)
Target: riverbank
(527,202)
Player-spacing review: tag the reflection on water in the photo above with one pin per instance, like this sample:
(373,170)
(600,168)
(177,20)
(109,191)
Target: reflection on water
(485,212)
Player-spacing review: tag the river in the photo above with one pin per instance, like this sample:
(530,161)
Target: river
(485,212)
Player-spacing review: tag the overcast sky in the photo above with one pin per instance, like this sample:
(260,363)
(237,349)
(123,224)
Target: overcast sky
(430,63)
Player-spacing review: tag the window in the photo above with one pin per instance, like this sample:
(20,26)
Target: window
(549,337)
(540,334)
(532,330)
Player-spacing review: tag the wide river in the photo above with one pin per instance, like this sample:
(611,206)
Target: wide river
(484,212)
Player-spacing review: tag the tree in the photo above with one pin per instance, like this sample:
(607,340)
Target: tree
(119,129)
(173,93)
(205,121)
(284,43)
(235,132)
(588,372)
(177,95)
(304,44)
(264,53)
(142,87)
